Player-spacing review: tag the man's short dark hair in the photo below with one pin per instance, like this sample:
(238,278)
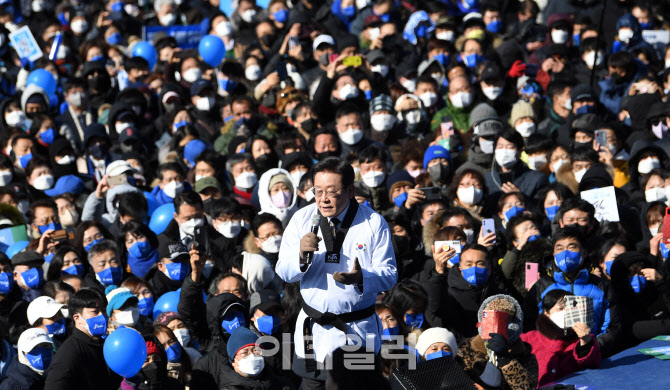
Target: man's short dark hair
(477,247)
(75,82)
(242,99)
(584,154)
(346,109)
(85,298)
(103,246)
(577,204)
(455,212)
(190,198)
(47,203)
(133,204)
(512,136)
(556,88)
(211,158)
(513,223)
(214,286)
(261,220)
(372,153)
(537,143)
(238,158)
(621,59)
(225,206)
(136,63)
(567,232)
(170,166)
(335,165)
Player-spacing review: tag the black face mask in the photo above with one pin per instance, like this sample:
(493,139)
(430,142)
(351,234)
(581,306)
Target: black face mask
(582,229)
(439,173)
(154,375)
(98,150)
(207,205)
(325,155)
(99,84)
(268,40)
(618,78)
(401,243)
(308,125)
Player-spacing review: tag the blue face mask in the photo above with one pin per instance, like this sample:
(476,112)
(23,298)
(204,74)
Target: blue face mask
(6,282)
(665,250)
(281,16)
(233,321)
(33,278)
(442,58)
(25,159)
(97,326)
(53,226)
(179,125)
(226,119)
(91,245)
(437,355)
(551,212)
(495,26)
(575,40)
(414,320)
(118,6)
(368,94)
(533,238)
(98,58)
(638,283)
(476,276)
(49,257)
(367,204)
(513,212)
(75,269)
(146,306)
(388,332)
(647,26)
(472,60)
(267,324)
(385,17)
(140,249)
(40,358)
(173,353)
(588,109)
(420,31)
(47,136)
(57,328)
(400,199)
(178,271)
(110,275)
(227,85)
(608,267)
(115,38)
(349,11)
(568,261)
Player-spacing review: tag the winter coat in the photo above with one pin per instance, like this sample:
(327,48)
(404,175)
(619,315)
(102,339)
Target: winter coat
(477,160)
(558,355)
(22,377)
(80,364)
(94,208)
(519,374)
(528,181)
(226,377)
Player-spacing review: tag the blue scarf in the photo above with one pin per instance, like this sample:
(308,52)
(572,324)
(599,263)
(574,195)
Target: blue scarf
(139,266)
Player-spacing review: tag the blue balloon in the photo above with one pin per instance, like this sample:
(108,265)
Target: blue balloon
(125,352)
(212,50)
(43,79)
(161,218)
(167,302)
(151,202)
(16,248)
(147,51)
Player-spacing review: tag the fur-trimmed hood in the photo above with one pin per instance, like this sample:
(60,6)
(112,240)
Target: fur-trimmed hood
(429,232)
(508,304)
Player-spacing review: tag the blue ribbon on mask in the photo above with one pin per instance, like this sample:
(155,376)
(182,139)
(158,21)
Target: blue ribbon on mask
(476,276)
(267,324)
(227,85)
(48,136)
(368,94)
(414,320)
(437,355)
(233,321)
(281,16)
(568,261)
(49,257)
(472,60)
(608,267)
(25,159)
(442,59)
(534,237)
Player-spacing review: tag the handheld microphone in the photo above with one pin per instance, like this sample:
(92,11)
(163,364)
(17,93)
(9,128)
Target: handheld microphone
(309,256)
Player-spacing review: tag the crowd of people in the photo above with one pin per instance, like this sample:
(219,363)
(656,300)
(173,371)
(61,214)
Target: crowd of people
(372,178)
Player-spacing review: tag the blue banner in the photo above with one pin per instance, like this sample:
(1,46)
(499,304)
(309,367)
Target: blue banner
(10,235)
(188,37)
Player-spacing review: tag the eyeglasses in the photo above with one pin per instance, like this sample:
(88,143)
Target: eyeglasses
(330,193)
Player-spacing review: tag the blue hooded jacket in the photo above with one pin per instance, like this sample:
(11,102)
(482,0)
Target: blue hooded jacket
(628,20)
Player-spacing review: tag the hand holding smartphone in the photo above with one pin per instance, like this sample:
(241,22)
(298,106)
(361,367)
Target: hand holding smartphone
(532,274)
(488,226)
(494,321)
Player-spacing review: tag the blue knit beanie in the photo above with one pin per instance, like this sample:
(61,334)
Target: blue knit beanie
(433,152)
(240,338)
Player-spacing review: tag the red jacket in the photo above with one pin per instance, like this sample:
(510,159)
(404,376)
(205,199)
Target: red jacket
(557,355)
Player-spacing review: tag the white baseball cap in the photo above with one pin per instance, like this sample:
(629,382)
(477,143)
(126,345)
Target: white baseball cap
(32,337)
(323,38)
(118,167)
(42,307)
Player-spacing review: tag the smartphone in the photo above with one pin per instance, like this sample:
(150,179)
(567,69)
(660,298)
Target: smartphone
(494,321)
(61,235)
(293,42)
(666,225)
(601,138)
(578,309)
(281,70)
(444,245)
(455,244)
(333,57)
(532,274)
(488,226)
(431,193)
(447,127)
(352,61)
(201,240)
(117,180)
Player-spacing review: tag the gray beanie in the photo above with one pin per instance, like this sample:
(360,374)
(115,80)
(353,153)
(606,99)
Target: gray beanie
(485,121)
(502,302)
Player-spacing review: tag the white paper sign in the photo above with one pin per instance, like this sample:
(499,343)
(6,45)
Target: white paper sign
(604,201)
(653,36)
(25,44)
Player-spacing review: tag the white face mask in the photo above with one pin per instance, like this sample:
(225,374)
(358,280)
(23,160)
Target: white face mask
(271,245)
(559,36)
(568,104)
(653,231)
(360,4)
(592,59)
(374,179)
(461,99)
(309,195)
(296,176)
(5,178)
(469,236)
(173,188)
(253,72)
(70,219)
(188,227)
(558,318)
(486,146)
(128,317)
(223,29)
(351,136)
(579,175)
(505,157)
(667,63)
(525,129)
(647,165)
(445,35)
(381,69)
(246,180)
(132,10)
(122,126)
(374,33)
(43,182)
(79,26)
(192,75)
(382,122)
(66,160)
(557,165)
(168,19)
(182,336)
(409,84)
(655,194)
(14,118)
(537,163)
(248,15)
(251,365)
(428,99)
(204,103)
(470,195)
(625,35)
(38,6)
(230,229)
(348,91)
(492,92)
(413,117)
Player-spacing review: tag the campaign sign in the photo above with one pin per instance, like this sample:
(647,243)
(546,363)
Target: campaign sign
(25,44)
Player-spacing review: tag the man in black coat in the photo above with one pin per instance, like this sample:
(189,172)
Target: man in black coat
(80,363)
